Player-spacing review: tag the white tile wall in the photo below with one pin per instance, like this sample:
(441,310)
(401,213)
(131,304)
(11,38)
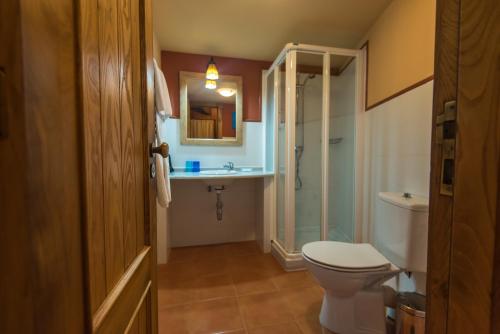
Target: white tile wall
(193,215)
(397,148)
(250,154)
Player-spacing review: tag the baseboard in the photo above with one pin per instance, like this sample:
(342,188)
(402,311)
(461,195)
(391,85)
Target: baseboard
(289,261)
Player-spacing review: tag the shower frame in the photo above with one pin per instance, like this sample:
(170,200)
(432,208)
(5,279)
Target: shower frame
(286,253)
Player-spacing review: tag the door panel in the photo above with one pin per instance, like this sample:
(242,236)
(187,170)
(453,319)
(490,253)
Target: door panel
(441,207)
(464,229)
(116,120)
(89,40)
(476,191)
(42,278)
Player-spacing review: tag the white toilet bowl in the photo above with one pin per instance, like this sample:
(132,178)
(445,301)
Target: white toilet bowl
(352,276)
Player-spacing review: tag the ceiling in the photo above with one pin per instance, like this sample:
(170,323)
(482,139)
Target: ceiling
(198,93)
(259,29)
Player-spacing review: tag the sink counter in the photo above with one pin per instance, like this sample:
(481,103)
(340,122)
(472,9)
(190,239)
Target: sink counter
(182,175)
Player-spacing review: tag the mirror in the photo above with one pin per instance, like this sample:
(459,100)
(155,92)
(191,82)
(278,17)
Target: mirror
(210,116)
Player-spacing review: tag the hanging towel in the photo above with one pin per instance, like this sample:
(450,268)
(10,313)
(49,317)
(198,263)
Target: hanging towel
(163,180)
(162,98)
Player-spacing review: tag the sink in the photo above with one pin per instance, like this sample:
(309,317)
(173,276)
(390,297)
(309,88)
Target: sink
(218,172)
(214,181)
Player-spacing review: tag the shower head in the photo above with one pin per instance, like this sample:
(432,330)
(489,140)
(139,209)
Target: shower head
(301,85)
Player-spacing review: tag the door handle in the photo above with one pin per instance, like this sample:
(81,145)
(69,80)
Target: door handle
(161,149)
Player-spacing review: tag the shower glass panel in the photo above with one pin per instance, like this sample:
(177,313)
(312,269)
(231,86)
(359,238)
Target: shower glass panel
(281,152)
(341,152)
(307,148)
(318,96)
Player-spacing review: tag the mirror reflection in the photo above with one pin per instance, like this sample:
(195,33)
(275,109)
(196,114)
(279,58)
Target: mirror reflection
(211,115)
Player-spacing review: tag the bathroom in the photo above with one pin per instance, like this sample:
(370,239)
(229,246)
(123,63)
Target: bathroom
(250,166)
(323,121)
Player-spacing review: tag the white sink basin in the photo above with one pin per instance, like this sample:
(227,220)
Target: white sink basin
(218,172)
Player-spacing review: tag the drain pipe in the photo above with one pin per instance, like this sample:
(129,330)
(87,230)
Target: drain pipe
(219,204)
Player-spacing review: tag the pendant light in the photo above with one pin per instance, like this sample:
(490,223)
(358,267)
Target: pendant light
(210,84)
(212,72)
(226,92)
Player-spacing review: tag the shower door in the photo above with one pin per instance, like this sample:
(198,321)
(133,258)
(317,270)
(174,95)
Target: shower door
(280,80)
(307,125)
(341,150)
(318,95)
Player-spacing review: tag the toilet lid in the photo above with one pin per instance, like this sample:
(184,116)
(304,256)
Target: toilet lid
(345,255)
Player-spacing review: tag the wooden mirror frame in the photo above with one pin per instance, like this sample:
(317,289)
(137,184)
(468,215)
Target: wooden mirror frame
(233,141)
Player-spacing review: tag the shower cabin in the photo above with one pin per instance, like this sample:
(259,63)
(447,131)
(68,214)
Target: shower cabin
(313,100)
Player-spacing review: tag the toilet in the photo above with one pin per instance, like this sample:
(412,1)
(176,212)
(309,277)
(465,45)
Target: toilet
(352,274)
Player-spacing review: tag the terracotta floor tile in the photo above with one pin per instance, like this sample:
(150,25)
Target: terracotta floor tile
(183,254)
(246,248)
(180,271)
(311,325)
(174,320)
(293,280)
(211,267)
(304,301)
(197,293)
(248,282)
(211,253)
(290,328)
(264,309)
(264,265)
(215,286)
(217,316)
(169,295)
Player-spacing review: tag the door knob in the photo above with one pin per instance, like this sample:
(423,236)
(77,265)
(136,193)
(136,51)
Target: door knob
(161,149)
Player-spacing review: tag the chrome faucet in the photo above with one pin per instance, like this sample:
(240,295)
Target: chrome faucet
(229,165)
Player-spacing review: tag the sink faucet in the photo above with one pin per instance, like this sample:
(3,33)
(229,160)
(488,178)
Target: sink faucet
(229,165)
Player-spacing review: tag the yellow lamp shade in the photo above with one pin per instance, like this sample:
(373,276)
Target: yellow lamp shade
(212,72)
(210,84)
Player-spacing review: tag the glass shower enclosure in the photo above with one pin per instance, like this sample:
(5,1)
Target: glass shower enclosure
(314,97)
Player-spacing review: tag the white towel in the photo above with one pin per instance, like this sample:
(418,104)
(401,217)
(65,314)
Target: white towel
(162,98)
(163,180)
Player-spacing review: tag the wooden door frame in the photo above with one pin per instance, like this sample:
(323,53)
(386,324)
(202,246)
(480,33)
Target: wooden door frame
(463,277)
(441,207)
(41,216)
(147,70)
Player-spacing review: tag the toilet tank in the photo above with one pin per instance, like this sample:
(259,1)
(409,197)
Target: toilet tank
(401,230)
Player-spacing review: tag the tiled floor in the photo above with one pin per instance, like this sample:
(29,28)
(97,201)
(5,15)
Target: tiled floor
(235,288)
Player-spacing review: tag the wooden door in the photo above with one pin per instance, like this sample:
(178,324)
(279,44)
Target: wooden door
(464,228)
(42,281)
(116,59)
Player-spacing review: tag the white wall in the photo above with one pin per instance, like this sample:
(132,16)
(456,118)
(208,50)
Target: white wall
(249,154)
(193,215)
(397,158)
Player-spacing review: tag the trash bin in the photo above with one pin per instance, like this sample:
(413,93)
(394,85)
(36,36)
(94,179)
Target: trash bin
(410,314)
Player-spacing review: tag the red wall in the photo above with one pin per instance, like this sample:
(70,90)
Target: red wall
(251,71)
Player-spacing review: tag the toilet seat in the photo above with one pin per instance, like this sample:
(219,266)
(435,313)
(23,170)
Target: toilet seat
(346,257)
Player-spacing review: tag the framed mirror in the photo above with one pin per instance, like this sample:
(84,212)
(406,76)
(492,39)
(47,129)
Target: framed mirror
(211,116)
